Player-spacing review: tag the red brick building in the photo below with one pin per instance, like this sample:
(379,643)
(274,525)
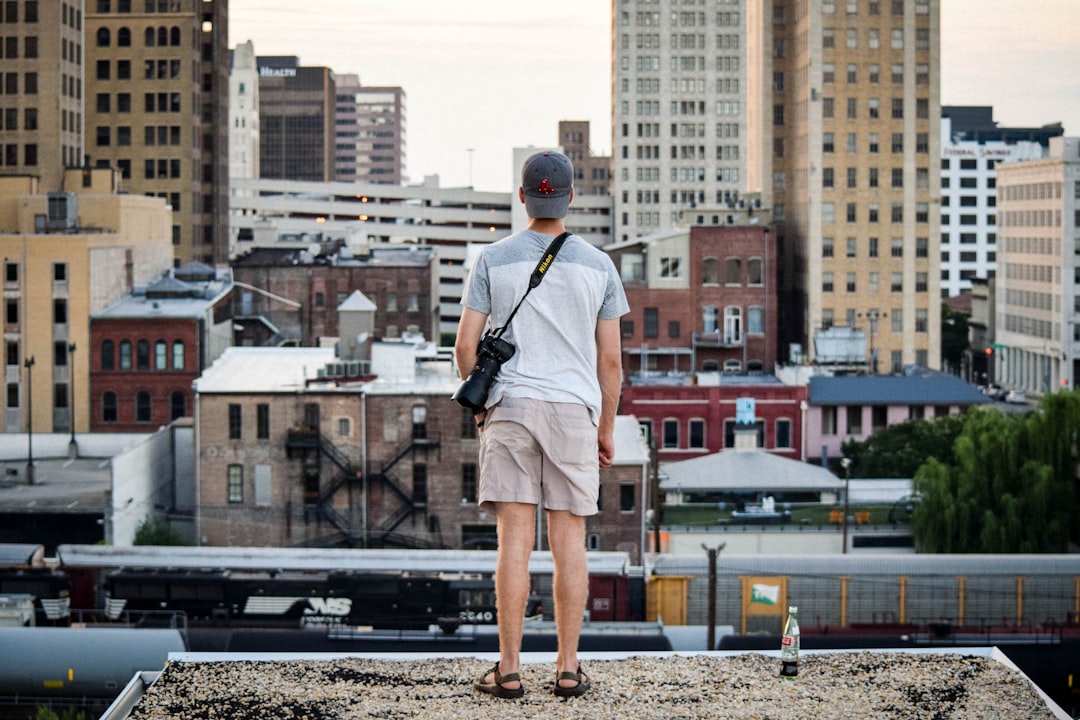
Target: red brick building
(149,346)
(700,299)
(693,419)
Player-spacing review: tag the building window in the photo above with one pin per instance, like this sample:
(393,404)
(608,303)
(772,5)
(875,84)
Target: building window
(262,421)
(235,421)
(671,433)
(468,484)
(854,419)
(419,487)
(235,483)
(60,314)
(177,405)
(178,354)
(626,498)
(651,322)
(12,353)
(783,434)
(344,427)
(142,355)
(142,407)
(710,274)
(125,354)
(161,356)
(697,433)
(108,407)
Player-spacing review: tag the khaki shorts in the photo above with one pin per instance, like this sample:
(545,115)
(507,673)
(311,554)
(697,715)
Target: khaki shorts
(532,450)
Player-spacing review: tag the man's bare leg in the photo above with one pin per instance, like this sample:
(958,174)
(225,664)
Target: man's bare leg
(516,528)
(566,536)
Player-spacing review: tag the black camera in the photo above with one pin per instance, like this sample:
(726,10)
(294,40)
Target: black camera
(490,355)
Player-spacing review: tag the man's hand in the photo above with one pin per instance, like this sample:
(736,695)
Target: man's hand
(606,444)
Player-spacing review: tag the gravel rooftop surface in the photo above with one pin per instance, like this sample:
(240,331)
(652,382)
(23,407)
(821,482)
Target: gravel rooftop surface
(831,685)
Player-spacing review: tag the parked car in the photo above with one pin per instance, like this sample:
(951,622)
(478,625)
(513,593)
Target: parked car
(1016,396)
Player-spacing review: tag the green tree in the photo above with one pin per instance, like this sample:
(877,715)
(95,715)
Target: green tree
(152,532)
(898,451)
(1010,487)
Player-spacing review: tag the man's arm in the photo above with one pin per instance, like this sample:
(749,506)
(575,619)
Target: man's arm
(470,329)
(609,373)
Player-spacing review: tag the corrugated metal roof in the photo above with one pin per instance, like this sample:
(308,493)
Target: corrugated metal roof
(314,559)
(734,470)
(923,389)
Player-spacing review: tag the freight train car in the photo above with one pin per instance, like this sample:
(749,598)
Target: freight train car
(307,586)
(943,595)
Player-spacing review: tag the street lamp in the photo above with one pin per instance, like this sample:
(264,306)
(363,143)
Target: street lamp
(846,462)
(73,448)
(29,364)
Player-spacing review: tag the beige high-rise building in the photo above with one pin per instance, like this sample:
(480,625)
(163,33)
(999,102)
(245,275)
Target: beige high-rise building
(67,253)
(41,89)
(1037,328)
(678,112)
(157,88)
(844,133)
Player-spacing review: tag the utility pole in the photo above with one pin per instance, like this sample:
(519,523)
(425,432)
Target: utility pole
(713,552)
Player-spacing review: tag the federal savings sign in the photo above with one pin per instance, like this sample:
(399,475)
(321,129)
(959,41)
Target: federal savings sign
(998,153)
(761,594)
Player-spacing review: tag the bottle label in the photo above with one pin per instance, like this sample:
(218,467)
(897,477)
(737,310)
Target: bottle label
(787,641)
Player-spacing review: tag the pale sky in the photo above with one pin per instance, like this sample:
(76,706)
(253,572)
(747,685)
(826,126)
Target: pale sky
(484,76)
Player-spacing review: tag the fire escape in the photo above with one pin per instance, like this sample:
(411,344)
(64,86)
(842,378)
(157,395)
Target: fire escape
(310,447)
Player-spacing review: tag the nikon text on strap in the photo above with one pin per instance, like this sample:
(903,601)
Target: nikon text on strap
(536,277)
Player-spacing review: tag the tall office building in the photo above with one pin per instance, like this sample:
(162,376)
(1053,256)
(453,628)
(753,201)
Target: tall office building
(845,134)
(972,146)
(1037,333)
(296,120)
(678,110)
(157,109)
(42,84)
(370,136)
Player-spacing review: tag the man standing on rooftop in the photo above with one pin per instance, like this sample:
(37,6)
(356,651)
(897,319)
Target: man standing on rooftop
(547,426)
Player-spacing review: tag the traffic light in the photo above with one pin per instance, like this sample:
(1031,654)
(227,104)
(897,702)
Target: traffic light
(989,351)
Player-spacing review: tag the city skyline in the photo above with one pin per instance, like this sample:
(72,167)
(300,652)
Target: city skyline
(484,77)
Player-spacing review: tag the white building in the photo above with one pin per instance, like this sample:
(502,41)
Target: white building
(1038,279)
(972,146)
(244,113)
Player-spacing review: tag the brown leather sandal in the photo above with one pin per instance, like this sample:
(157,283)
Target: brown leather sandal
(497,687)
(582,687)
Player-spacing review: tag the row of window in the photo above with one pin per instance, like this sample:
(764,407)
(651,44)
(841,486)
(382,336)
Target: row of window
(879,417)
(896,283)
(9,154)
(30,13)
(873,108)
(828,213)
(143,359)
(896,249)
(695,433)
(12,317)
(148,6)
(144,409)
(152,37)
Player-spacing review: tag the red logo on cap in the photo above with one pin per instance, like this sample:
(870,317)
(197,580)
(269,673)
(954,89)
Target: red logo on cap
(545,187)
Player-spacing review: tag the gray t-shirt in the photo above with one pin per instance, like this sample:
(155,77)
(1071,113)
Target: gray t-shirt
(554,331)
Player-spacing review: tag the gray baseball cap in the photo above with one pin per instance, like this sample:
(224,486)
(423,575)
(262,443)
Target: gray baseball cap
(547,179)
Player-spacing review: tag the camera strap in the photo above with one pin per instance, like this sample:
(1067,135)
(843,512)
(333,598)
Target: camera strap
(537,276)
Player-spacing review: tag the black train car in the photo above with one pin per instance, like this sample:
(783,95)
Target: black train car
(289,599)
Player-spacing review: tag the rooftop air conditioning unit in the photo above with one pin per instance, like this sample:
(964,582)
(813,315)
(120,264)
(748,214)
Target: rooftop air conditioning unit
(63,212)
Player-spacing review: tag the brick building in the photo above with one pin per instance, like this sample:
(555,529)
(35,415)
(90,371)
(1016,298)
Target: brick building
(149,346)
(697,417)
(701,299)
(291,296)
